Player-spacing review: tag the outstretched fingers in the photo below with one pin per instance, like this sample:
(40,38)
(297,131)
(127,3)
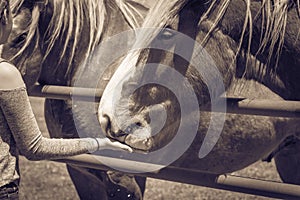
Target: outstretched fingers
(106,143)
(119,145)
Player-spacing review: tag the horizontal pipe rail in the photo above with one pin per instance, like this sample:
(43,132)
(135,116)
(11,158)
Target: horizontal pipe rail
(171,173)
(225,182)
(277,108)
(65,92)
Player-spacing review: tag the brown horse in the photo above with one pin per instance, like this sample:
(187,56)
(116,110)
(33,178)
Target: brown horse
(49,43)
(51,40)
(206,49)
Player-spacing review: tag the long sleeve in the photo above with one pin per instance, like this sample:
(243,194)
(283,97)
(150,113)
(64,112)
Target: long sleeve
(29,140)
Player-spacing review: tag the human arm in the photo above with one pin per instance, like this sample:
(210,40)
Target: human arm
(15,105)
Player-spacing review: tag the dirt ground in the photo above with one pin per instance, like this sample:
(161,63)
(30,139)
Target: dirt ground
(49,180)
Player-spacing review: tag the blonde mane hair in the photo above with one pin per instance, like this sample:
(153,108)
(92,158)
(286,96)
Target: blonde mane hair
(66,24)
(159,16)
(67,21)
(272,12)
(273,15)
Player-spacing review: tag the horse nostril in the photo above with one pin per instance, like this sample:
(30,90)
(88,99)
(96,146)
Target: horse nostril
(138,124)
(105,123)
(109,128)
(118,134)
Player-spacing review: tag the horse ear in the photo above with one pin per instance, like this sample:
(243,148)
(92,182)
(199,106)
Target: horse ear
(142,8)
(198,4)
(5,21)
(3,5)
(198,7)
(34,1)
(5,13)
(40,3)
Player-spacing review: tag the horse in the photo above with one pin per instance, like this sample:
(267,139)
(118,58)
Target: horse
(197,52)
(49,44)
(51,48)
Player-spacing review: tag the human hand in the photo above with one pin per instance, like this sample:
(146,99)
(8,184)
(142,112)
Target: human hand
(105,143)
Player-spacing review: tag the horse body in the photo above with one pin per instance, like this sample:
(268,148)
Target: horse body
(59,61)
(283,81)
(244,139)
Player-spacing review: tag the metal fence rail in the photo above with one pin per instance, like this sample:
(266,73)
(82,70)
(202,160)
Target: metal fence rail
(234,105)
(225,182)
(171,173)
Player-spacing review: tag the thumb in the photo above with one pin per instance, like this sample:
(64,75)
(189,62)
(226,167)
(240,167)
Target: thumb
(123,146)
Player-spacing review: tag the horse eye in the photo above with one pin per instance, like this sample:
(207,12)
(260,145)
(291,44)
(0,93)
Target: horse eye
(166,34)
(19,41)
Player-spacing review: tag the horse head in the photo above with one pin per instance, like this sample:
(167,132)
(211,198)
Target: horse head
(192,56)
(161,83)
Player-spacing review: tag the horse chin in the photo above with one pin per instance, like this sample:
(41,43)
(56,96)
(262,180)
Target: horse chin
(139,140)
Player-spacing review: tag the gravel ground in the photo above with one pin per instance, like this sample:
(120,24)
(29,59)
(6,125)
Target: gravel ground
(49,180)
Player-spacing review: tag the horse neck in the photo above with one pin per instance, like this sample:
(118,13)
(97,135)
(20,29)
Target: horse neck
(260,67)
(115,24)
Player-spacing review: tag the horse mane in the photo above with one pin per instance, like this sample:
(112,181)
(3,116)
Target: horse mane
(273,15)
(163,13)
(66,25)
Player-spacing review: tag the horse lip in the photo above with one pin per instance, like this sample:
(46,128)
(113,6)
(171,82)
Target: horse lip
(144,144)
(135,142)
